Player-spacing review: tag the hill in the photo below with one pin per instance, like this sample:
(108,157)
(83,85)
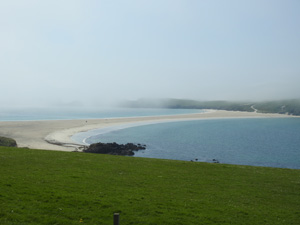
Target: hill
(49,187)
(291,107)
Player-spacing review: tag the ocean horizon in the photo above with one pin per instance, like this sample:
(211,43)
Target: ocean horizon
(33,114)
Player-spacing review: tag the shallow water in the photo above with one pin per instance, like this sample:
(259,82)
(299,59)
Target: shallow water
(272,142)
(63,114)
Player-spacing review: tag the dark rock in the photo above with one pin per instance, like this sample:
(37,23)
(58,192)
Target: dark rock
(8,142)
(114,148)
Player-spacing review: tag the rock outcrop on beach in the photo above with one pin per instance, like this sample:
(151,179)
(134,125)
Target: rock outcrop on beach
(8,142)
(114,148)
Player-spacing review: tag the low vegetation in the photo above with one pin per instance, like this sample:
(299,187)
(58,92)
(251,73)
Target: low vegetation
(8,142)
(285,107)
(50,187)
(291,107)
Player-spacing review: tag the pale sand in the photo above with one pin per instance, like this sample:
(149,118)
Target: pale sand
(38,134)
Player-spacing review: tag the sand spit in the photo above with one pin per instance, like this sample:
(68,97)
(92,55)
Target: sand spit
(56,134)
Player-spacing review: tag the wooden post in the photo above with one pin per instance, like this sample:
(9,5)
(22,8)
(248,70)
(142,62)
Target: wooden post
(116,219)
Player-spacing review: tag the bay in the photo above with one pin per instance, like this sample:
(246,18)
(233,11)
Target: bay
(270,142)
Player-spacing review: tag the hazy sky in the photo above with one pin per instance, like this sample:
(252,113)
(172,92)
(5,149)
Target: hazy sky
(56,52)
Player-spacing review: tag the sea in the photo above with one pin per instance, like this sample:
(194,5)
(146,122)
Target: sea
(268,142)
(56,113)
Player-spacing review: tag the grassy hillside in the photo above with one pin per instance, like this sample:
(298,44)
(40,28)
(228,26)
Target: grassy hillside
(284,106)
(188,104)
(49,187)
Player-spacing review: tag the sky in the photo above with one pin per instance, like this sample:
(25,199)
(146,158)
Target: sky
(93,52)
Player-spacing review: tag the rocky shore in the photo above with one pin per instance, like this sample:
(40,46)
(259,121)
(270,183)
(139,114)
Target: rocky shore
(114,148)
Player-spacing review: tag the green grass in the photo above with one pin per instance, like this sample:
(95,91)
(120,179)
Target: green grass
(49,187)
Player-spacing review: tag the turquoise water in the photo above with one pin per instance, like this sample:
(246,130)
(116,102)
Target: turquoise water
(273,142)
(63,114)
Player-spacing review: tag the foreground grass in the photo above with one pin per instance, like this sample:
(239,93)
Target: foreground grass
(48,187)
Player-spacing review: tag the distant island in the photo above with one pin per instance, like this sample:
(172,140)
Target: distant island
(289,107)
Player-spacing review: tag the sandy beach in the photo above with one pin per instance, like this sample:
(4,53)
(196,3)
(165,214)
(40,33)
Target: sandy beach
(56,134)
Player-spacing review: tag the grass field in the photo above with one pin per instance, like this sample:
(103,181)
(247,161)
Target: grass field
(49,187)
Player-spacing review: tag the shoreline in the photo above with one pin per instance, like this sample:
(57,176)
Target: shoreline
(57,134)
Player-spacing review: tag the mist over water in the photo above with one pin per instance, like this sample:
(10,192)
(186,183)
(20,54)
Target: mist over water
(85,113)
(94,53)
(76,59)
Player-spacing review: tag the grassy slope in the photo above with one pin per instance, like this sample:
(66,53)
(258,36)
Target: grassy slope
(285,106)
(48,187)
(282,106)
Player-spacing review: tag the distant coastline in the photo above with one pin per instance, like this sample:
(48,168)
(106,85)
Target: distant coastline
(289,106)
